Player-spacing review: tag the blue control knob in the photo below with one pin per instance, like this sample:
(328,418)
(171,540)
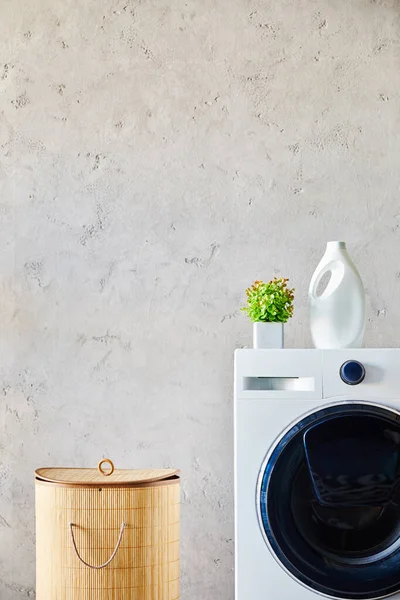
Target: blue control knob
(352,372)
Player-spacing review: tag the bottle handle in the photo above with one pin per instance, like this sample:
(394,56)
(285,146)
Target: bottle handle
(332,266)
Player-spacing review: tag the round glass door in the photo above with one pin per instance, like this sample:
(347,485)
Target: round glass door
(329,501)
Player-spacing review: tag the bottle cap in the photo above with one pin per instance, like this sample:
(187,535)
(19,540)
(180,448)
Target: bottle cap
(336,245)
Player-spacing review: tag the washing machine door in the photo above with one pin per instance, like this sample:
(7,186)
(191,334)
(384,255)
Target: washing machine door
(329,501)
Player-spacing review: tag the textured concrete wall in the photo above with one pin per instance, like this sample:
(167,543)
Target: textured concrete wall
(156,157)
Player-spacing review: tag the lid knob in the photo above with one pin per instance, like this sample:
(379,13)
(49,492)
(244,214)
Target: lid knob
(106,461)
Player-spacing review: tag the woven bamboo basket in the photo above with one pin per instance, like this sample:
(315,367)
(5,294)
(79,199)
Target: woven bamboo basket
(107,534)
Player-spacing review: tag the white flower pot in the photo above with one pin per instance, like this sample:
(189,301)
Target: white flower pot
(267,335)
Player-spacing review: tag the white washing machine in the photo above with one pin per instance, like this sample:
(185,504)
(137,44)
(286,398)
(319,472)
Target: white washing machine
(317,472)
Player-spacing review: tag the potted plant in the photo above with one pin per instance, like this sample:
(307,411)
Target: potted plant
(269,306)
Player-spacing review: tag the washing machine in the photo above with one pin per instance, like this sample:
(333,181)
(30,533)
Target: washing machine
(317,472)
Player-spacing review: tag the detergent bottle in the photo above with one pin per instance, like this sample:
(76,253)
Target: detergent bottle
(337,316)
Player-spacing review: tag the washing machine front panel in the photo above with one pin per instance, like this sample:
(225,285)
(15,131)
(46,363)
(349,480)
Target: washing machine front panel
(330,513)
(258,426)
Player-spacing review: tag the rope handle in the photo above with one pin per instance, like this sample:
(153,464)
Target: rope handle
(71,526)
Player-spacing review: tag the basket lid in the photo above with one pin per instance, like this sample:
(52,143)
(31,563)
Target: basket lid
(105,474)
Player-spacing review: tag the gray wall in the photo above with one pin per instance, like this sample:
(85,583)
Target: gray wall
(156,157)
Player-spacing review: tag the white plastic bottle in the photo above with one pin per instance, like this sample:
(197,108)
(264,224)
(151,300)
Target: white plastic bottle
(337,316)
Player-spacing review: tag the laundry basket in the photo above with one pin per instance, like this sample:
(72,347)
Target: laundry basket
(107,534)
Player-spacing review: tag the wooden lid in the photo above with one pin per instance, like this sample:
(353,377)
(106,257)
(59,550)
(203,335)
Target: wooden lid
(105,475)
